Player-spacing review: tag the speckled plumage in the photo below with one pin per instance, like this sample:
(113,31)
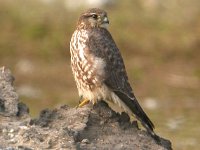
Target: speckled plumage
(98,67)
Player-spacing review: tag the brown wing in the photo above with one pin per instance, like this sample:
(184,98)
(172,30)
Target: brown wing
(102,45)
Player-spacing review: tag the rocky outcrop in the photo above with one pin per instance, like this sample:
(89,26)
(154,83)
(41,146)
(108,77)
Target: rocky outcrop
(89,127)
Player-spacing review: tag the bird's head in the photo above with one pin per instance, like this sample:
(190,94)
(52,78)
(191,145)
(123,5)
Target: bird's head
(93,18)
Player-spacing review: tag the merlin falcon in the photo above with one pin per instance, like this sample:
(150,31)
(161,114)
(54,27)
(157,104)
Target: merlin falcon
(98,67)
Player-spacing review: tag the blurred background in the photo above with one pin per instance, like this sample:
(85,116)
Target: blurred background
(159,41)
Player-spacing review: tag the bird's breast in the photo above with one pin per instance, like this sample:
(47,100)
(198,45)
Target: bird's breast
(88,70)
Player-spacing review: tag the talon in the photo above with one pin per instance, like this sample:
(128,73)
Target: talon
(84,102)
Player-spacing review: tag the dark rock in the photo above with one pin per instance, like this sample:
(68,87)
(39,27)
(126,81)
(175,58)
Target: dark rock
(22,109)
(8,97)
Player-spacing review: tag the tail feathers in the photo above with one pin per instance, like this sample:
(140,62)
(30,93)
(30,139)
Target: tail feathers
(136,109)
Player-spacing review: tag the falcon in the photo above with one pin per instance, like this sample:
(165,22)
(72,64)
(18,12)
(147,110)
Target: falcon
(98,66)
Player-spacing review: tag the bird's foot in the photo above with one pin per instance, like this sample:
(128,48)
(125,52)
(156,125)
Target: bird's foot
(83,103)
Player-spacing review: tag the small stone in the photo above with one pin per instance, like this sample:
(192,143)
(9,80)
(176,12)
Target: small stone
(13,141)
(86,141)
(11,135)
(4,130)
(11,130)
(101,122)
(24,127)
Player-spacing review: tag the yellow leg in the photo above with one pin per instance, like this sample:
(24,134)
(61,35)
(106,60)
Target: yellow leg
(84,102)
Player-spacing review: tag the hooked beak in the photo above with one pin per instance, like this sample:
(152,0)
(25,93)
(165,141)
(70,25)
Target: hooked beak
(105,20)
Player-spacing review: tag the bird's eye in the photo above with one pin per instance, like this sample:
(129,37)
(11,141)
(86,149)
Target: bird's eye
(94,16)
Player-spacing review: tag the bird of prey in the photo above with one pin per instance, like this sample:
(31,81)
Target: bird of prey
(98,66)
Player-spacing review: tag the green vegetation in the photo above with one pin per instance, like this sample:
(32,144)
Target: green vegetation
(160,42)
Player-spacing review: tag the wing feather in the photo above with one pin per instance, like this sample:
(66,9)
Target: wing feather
(102,45)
